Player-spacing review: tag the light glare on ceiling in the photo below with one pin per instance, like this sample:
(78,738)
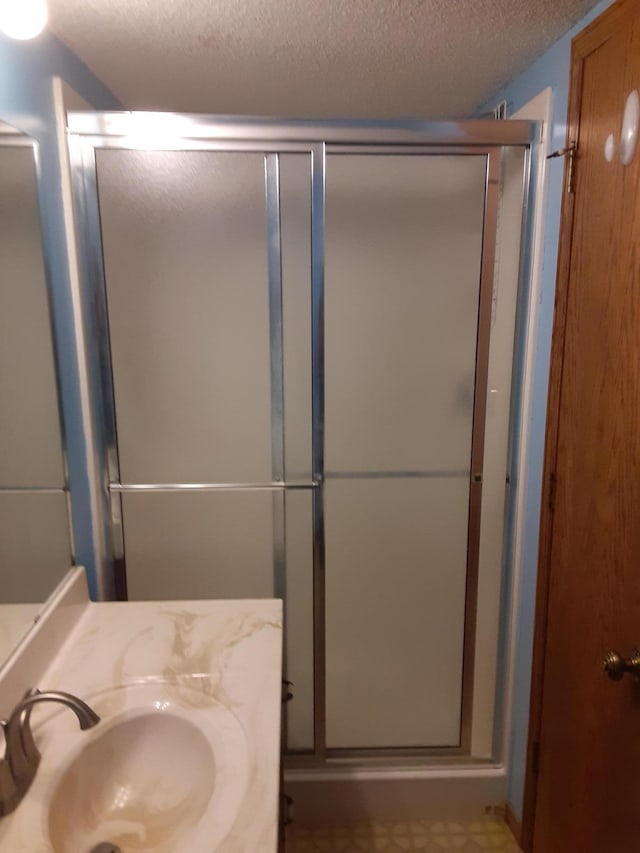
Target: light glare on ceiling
(23,19)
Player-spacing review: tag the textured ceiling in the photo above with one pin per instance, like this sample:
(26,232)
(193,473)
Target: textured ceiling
(360,58)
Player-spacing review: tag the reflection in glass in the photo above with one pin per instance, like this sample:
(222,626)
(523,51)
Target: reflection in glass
(35,540)
(30,443)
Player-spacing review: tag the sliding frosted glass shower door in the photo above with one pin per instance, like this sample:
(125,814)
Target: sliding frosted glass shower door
(402,282)
(293,337)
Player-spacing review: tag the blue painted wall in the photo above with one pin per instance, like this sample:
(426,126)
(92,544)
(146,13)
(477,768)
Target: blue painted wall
(551,69)
(26,102)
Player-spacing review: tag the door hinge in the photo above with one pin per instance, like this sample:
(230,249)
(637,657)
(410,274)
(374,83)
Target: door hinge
(551,497)
(287,694)
(535,758)
(571,151)
(286,810)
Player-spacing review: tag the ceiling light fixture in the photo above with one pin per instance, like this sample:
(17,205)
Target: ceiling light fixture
(23,19)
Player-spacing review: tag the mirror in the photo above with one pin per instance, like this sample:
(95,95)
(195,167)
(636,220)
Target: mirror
(35,538)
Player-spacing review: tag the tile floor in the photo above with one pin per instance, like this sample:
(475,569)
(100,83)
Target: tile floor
(478,836)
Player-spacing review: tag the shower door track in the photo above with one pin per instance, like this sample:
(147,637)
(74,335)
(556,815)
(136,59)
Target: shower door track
(156,131)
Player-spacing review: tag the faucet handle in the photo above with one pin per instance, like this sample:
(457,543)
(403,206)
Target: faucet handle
(7,780)
(3,726)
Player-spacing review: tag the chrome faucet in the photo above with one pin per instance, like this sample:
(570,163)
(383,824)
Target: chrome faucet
(21,759)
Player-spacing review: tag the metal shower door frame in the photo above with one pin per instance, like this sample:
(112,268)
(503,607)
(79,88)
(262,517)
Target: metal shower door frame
(89,132)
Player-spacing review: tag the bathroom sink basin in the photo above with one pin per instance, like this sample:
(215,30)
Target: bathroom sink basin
(163,774)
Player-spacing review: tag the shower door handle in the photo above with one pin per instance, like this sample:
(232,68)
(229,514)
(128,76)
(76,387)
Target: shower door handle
(616,666)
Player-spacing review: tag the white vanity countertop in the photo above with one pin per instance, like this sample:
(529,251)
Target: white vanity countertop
(15,621)
(230,652)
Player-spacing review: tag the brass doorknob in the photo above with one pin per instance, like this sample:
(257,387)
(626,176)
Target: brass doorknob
(616,666)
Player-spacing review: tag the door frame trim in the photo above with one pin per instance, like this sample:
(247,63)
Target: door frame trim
(585,43)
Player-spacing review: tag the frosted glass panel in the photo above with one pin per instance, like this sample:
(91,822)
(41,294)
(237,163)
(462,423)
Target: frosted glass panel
(403,250)
(35,551)
(299,619)
(184,237)
(182,545)
(30,445)
(295,235)
(395,584)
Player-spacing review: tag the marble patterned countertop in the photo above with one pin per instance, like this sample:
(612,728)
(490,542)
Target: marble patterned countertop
(207,653)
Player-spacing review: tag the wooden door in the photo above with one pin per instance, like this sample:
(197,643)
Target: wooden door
(583,782)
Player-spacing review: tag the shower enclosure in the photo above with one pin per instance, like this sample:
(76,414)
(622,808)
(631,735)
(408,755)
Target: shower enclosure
(301,373)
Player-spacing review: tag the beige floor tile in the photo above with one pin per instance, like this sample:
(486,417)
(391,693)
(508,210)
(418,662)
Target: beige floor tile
(429,836)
